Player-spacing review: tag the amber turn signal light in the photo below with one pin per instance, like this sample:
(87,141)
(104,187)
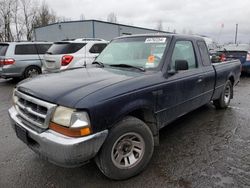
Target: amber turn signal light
(71,132)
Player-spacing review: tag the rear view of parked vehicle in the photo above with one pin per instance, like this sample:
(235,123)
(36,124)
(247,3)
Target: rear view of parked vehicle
(238,51)
(21,59)
(75,53)
(217,57)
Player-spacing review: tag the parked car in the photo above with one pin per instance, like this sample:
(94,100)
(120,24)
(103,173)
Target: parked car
(238,51)
(76,53)
(217,57)
(113,110)
(21,59)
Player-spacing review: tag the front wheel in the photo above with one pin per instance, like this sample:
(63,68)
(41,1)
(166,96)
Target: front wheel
(127,150)
(224,100)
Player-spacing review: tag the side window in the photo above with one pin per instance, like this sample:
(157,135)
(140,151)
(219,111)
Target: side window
(204,53)
(25,49)
(184,50)
(97,48)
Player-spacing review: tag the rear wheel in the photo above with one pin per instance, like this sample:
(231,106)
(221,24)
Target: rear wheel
(224,100)
(31,72)
(127,150)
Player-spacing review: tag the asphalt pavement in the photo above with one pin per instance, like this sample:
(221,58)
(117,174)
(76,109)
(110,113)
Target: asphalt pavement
(205,148)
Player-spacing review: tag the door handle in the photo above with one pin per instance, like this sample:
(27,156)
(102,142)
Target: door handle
(200,79)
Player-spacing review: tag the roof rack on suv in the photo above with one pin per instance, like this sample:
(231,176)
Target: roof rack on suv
(89,39)
(68,39)
(31,41)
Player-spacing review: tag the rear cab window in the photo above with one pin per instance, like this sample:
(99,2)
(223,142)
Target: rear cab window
(3,49)
(31,49)
(65,48)
(204,53)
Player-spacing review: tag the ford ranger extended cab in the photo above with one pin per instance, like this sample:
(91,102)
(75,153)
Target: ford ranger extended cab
(112,110)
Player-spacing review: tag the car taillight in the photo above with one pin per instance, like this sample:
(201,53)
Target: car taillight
(66,59)
(248,56)
(223,57)
(7,61)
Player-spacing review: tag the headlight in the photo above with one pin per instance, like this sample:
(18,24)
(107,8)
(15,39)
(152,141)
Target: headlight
(70,122)
(62,116)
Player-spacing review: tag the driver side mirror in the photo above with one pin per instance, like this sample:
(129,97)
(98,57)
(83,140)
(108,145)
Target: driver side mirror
(181,65)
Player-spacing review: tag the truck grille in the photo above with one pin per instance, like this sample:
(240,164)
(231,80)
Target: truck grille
(34,111)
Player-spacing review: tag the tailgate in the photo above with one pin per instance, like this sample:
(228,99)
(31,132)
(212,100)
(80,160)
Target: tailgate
(52,61)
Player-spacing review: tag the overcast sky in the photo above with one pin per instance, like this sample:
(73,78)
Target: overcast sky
(203,17)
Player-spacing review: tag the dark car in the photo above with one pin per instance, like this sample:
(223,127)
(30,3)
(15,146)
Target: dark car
(238,51)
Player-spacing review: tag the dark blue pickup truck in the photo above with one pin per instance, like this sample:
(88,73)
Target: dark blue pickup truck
(112,111)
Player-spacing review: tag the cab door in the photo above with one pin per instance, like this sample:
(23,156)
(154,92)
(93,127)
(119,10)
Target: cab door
(182,90)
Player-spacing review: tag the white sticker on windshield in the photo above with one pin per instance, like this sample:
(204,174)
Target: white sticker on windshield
(155,40)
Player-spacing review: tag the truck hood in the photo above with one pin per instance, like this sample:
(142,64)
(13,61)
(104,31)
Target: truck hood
(68,87)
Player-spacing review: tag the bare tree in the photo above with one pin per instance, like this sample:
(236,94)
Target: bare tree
(82,17)
(159,26)
(17,23)
(190,32)
(6,8)
(44,16)
(18,18)
(63,19)
(29,14)
(184,31)
(112,18)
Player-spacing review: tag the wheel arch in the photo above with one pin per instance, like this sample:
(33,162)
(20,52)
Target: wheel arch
(232,80)
(36,66)
(146,114)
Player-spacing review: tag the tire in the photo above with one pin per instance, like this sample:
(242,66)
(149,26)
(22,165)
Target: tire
(31,72)
(127,149)
(224,100)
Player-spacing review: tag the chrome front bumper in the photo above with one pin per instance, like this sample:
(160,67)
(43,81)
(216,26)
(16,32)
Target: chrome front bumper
(57,148)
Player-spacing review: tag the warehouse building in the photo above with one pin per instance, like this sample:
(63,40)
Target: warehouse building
(87,29)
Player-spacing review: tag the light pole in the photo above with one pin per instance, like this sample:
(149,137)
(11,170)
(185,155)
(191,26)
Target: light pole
(236,33)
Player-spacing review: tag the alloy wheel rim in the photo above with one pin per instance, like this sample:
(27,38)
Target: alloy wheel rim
(128,150)
(32,73)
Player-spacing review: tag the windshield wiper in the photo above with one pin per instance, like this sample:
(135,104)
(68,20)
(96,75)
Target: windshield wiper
(128,66)
(98,63)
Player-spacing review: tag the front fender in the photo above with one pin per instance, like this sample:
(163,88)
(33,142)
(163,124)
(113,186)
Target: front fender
(107,114)
(131,107)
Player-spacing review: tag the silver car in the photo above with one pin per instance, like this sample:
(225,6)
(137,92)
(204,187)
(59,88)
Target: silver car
(22,59)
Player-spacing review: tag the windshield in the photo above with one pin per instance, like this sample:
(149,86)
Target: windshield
(144,52)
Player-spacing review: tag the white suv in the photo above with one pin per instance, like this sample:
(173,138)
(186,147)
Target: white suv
(74,53)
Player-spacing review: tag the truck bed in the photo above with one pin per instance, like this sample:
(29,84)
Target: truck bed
(224,71)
